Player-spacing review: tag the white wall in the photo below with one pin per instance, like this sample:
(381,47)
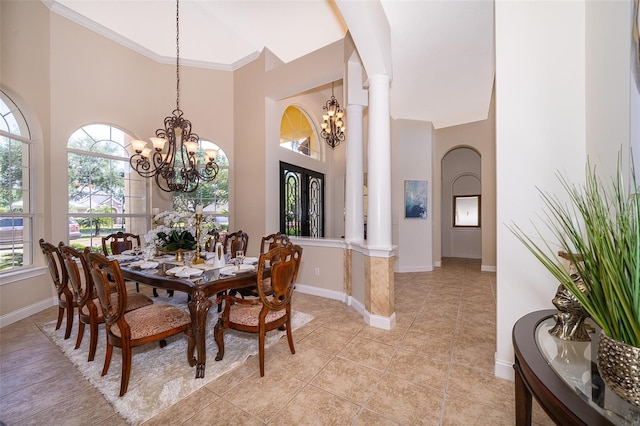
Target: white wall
(412,154)
(551,109)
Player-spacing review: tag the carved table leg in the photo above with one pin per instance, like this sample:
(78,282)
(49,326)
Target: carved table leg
(218,334)
(199,307)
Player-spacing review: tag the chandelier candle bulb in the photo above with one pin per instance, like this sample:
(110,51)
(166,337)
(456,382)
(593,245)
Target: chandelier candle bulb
(198,209)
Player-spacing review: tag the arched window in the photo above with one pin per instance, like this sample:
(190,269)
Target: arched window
(298,134)
(213,196)
(16,188)
(104,195)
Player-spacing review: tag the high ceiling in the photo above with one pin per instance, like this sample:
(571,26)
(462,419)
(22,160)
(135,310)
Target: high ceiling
(442,52)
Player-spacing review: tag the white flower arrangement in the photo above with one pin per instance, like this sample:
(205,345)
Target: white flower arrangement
(173,230)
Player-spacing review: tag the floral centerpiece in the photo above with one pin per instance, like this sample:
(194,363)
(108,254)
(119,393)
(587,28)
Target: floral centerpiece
(176,231)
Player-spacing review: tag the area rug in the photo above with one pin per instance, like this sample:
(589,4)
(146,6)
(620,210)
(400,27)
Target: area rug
(160,377)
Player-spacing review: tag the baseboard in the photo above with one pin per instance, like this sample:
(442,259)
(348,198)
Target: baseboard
(488,268)
(322,292)
(415,269)
(27,311)
(504,370)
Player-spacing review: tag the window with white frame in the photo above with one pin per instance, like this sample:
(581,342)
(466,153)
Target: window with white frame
(105,195)
(16,188)
(297,133)
(213,196)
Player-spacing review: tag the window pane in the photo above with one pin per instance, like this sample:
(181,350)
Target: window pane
(16,214)
(298,134)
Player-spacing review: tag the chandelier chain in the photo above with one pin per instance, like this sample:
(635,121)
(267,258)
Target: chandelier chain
(177,161)
(178,54)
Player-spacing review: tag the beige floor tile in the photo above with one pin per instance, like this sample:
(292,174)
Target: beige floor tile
(324,339)
(462,412)
(424,370)
(347,379)
(249,395)
(185,409)
(314,406)
(368,352)
(406,402)
(304,365)
(471,384)
(428,344)
(389,337)
(219,412)
(367,418)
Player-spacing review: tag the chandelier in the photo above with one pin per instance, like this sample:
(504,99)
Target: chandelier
(175,162)
(333,126)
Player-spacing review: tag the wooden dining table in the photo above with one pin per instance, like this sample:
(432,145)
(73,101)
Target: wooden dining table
(200,289)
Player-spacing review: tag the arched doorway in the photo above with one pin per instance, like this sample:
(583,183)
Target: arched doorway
(461,197)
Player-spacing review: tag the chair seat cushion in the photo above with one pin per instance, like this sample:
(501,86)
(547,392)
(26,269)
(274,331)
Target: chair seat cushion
(134,301)
(249,314)
(153,319)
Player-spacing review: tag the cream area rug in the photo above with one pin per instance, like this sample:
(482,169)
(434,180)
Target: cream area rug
(160,377)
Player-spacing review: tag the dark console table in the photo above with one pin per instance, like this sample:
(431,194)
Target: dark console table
(563,377)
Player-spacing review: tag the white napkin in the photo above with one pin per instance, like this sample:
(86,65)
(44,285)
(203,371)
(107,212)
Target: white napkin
(184,271)
(250,260)
(145,264)
(232,270)
(120,257)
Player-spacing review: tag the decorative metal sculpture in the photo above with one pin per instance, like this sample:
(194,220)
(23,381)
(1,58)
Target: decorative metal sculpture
(571,316)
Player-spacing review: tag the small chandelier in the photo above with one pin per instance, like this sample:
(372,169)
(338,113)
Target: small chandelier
(333,126)
(173,162)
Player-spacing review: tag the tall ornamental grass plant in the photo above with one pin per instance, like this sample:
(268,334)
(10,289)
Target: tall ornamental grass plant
(600,230)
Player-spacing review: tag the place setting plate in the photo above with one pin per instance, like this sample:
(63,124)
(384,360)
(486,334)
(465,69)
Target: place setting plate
(184,272)
(233,270)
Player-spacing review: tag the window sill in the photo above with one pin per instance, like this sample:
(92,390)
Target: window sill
(21,275)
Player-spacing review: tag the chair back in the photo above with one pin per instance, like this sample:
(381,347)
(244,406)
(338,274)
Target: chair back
(272,241)
(79,278)
(57,270)
(214,237)
(284,263)
(103,273)
(119,242)
(234,242)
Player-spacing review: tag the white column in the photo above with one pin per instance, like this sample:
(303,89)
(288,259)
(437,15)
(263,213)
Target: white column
(379,165)
(354,191)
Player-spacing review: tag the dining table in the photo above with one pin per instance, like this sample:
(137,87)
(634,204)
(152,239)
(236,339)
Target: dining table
(200,288)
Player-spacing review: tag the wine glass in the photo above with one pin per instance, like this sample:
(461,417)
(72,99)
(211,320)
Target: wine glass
(188,258)
(239,258)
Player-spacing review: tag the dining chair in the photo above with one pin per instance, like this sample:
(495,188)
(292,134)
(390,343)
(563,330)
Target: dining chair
(119,242)
(127,330)
(214,237)
(122,241)
(66,301)
(271,310)
(274,240)
(234,242)
(87,299)
(269,242)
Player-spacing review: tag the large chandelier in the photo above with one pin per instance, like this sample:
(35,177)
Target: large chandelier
(333,126)
(173,161)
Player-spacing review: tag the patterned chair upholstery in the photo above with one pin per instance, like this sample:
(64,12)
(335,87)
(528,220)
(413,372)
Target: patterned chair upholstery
(272,309)
(87,299)
(126,330)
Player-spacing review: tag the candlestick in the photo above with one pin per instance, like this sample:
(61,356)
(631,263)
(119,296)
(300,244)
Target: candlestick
(198,259)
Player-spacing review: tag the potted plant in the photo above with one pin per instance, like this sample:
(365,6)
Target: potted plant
(600,230)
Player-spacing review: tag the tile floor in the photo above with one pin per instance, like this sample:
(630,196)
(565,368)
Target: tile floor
(435,367)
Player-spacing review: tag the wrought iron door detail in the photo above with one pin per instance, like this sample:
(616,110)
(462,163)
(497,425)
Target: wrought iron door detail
(301,201)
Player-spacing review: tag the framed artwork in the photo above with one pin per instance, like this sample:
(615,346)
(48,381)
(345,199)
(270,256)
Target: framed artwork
(415,199)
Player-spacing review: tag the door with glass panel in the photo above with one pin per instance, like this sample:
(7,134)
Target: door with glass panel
(301,201)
